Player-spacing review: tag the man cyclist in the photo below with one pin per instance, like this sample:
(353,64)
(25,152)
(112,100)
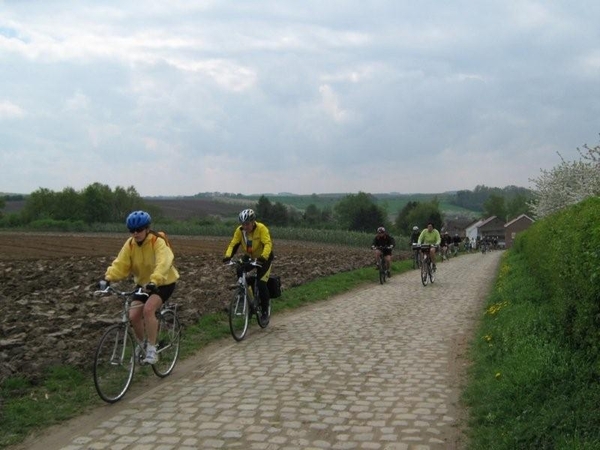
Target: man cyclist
(432,237)
(383,242)
(256,241)
(149,259)
(456,241)
(446,242)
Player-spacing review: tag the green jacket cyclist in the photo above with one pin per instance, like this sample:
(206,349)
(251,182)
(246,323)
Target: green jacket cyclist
(430,236)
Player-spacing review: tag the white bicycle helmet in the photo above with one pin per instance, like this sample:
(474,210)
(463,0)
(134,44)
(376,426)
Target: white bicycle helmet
(415,228)
(247,215)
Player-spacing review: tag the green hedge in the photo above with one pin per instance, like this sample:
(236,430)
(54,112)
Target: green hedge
(563,252)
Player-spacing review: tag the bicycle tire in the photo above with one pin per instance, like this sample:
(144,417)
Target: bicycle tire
(431,272)
(381,269)
(239,315)
(114,363)
(424,272)
(167,347)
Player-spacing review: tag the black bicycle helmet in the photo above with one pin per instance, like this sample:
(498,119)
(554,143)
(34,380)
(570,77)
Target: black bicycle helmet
(138,219)
(247,215)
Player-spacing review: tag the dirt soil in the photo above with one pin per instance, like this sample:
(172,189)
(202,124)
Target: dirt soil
(48,315)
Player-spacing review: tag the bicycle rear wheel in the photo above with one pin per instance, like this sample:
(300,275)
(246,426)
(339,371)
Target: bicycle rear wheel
(239,315)
(114,363)
(167,347)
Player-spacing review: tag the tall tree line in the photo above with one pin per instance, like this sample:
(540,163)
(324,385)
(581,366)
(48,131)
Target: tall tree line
(97,203)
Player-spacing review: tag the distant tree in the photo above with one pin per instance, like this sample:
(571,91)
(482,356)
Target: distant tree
(263,209)
(568,183)
(359,213)
(97,203)
(39,205)
(2,203)
(518,205)
(403,225)
(423,213)
(312,215)
(279,215)
(494,206)
(68,205)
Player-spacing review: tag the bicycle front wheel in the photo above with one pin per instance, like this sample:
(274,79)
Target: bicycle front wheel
(114,363)
(167,347)
(424,272)
(239,315)
(431,272)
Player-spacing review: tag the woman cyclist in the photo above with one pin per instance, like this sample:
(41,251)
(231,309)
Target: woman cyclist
(149,259)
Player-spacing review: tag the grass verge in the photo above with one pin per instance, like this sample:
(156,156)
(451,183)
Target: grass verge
(526,388)
(68,392)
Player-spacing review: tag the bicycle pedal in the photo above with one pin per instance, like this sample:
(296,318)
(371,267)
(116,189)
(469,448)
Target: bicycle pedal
(232,286)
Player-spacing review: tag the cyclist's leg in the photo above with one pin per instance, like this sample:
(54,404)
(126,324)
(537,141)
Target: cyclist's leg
(432,255)
(152,305)
(262,273)
(136,319)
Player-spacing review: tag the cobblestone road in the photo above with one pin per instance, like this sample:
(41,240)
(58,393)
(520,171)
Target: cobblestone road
(371,369)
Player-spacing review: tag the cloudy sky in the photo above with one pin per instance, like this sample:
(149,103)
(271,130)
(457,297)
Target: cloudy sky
(180,97)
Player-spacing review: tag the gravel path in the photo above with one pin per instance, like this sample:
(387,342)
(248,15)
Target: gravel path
(377,368)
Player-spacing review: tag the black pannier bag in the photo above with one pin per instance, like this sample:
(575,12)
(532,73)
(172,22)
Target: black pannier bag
(274,285)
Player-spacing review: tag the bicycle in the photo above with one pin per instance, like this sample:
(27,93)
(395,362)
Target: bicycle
(246,300)
(118,350)
(416,259)
(427,268)
(382,266)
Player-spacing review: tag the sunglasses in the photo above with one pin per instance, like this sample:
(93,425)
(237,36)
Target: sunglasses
(137,230)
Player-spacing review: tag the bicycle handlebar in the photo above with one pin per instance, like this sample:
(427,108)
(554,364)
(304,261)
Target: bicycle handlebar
(111,290)
(240,262)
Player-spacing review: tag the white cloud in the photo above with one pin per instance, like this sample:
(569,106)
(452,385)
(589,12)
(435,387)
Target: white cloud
(9,110)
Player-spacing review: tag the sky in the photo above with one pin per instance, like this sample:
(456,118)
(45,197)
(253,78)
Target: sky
(297,96)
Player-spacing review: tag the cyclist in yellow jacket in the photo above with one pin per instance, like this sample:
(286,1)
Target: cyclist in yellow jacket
(430,236)
(149,259)
(255,239)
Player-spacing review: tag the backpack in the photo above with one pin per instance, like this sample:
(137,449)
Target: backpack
(155,235)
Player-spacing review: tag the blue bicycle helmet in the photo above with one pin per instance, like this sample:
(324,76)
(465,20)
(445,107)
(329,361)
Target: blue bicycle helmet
(138,219)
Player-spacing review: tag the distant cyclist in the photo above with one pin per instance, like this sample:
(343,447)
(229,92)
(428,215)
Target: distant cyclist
(414,236)
(414,239)
(383,242)
(432,237)
(446,243)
